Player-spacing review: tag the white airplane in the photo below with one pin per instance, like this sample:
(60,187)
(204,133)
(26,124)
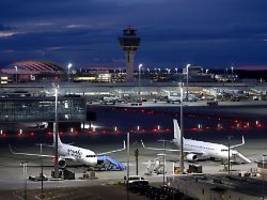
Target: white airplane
(110,99)
(72,153)
(172,97)
(198,150)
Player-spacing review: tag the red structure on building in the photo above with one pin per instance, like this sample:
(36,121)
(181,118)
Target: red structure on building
(33,70)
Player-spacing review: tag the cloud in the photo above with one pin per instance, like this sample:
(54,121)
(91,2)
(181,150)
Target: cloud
(4,34)
(172,32)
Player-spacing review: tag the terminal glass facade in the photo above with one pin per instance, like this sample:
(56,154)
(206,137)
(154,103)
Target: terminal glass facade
(42,109)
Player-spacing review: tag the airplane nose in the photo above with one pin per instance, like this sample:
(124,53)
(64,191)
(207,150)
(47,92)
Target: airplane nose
(95,161)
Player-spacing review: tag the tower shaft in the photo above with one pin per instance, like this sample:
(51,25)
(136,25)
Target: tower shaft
(129,42)
(129,58)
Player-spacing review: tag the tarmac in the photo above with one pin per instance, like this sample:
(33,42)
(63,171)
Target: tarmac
(11,172)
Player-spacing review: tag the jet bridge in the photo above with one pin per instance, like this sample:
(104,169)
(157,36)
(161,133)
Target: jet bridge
(106,163)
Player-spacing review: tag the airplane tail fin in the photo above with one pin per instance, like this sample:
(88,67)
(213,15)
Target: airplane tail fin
(176,131)
(54,139)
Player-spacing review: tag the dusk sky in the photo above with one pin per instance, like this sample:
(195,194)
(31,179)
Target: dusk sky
(211,33)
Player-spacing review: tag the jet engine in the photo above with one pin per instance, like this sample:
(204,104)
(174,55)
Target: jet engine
(62,162)
(191,157)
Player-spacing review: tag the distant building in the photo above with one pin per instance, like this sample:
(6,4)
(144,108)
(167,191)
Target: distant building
(96,75)
(32,71)
(193,70)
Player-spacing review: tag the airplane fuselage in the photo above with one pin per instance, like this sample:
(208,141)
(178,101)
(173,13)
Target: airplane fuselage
(78,154)
(206,149)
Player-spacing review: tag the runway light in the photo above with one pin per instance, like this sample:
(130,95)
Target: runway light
(49,133)
(138,128)
(247,124)
(258,124)
(194,129)
(219,126)
(2,134)
(20,132)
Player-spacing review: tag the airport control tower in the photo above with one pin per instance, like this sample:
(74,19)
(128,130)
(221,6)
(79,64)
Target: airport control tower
(129,41)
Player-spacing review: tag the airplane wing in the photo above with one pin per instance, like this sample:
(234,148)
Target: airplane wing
(158,149)
(70,158)
(114,151)
(164,149)
(241,156)
(30,154)
(238,145)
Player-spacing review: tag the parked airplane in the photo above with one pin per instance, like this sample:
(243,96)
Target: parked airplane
(197,150)
(72,153)
(110,100)
(174,97)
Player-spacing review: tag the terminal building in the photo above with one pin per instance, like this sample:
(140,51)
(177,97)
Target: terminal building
(26,71)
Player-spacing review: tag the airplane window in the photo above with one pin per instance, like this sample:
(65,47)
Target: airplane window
(90,156)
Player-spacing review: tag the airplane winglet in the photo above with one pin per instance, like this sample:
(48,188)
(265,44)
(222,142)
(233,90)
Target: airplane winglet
(114,151)
(10,149)
(29,154)
(143,145)
(238,145)
(243,139)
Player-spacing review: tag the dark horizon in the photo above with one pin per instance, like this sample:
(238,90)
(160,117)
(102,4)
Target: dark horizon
(214,34)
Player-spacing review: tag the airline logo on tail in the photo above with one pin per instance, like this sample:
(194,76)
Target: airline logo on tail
(176,132)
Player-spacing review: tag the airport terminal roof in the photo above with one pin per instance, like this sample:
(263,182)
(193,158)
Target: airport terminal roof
(32,67)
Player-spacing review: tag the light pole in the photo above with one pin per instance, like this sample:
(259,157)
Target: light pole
(139,80)
(182,130)
(164,161)
(136,153)
(42,173)
(69,67)
(25,174)
(16,68)
(263,181)
(128,164)
(229,154)
(55,133)
(232,71)
(187,77)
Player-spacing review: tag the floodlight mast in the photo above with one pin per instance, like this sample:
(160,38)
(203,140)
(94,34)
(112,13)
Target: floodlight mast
(182,129)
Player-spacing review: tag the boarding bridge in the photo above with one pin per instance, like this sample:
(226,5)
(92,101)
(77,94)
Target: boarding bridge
(42,109)
(109,164)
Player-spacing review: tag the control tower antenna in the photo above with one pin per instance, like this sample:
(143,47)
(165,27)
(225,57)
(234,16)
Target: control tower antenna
(129,42)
